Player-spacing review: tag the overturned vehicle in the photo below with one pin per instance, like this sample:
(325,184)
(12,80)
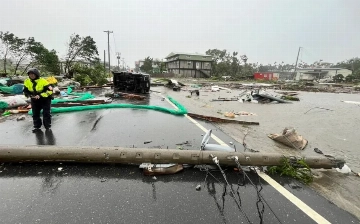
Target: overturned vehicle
(131,81)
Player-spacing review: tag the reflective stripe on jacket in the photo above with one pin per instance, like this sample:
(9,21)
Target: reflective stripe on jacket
(38,86)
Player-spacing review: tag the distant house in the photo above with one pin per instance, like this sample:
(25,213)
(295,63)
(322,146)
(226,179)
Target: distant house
(189,65)
(320,73)
(138,64)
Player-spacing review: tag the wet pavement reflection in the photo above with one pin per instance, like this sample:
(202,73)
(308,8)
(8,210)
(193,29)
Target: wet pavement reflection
(47,138)
(102,193)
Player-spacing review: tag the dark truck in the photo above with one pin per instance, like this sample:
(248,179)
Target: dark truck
(131,81)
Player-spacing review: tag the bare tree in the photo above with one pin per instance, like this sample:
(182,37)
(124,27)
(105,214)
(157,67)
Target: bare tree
(7,40)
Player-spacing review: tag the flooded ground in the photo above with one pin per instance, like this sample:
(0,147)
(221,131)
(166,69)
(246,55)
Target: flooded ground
(334,132)
(132,128)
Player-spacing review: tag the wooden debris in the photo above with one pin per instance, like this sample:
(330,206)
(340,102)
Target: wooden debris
(220,120)
(79,103)
(128,96)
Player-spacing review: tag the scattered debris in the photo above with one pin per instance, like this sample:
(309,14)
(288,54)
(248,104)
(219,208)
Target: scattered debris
(126,96)
(218,88)
(287,93)
(290,138)
(214,88)
(220,120)
(184,143)
(174,84)
(66,82)
(267,98)
(225,99)
(244,113)
(344,169)
(318,151)
(291,98)
(103,180)
(12,102)
(22,117)
(195,91)
(213,147)
(150,169)
(198,187)
(352,102)
(229,114)
(257,96)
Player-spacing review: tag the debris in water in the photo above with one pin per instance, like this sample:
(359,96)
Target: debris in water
(291,98)
(147,142)
(225,99)
(220,120)
(318,151)
(103,180)
(290,138)
(229,114)
(318,108)
(344,169)
(353,102)
(184,143)
(195,91)
(198,187)
(60,169)
(244,113)
(154,178)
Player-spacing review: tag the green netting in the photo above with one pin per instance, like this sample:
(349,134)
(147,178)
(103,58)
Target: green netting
(6,89)
(81,97)
(3,105)
(180,111)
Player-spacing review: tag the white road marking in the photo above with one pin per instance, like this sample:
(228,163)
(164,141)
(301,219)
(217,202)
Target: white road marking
(296,201)
(287,194)
(218,140)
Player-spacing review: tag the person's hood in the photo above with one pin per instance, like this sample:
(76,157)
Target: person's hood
(35,71)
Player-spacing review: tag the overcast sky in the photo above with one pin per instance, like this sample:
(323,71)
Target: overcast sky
(265,30)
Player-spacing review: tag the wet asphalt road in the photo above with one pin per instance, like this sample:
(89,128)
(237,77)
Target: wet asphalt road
(97,193)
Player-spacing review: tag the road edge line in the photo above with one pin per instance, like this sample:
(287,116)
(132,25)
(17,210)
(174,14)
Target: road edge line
(283,191)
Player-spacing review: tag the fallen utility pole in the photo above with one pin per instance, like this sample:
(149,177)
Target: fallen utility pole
(87,154)
(220,120)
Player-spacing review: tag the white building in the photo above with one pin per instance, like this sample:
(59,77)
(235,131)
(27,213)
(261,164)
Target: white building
(320,73)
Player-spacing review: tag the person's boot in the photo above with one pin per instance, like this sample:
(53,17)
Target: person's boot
(36,130)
